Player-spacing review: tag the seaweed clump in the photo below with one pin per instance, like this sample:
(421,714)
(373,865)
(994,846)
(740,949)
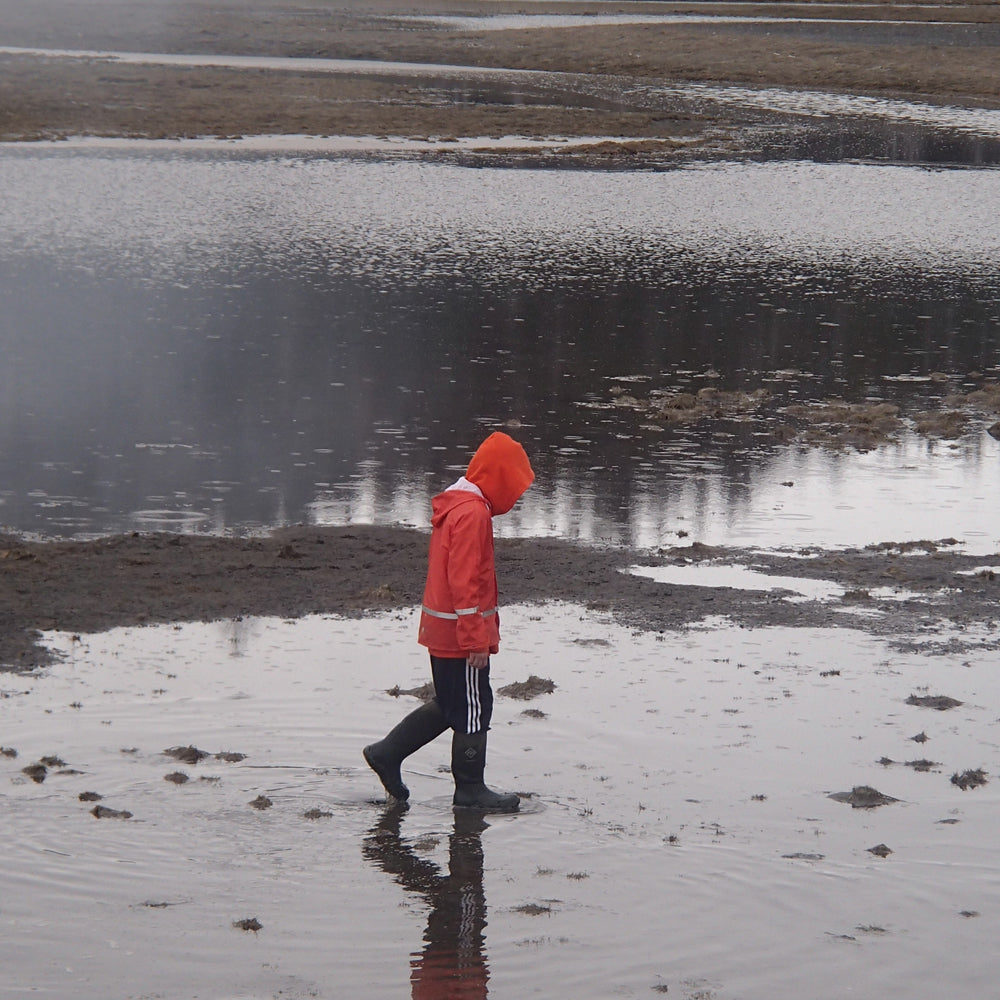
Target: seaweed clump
(969,779)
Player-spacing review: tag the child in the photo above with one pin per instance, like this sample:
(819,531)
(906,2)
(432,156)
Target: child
(460,626)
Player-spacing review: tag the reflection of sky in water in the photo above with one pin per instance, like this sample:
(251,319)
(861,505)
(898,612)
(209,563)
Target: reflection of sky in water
(874,30)
(981,121)
(226,340)
(506,22)
(419,220)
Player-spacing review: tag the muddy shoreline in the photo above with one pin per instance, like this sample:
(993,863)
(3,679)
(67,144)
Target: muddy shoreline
(134,579)
(603,72)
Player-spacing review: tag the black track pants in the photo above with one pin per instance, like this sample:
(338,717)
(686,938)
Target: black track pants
(463,694)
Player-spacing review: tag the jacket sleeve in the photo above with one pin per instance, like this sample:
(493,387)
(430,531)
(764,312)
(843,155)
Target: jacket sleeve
(470,568)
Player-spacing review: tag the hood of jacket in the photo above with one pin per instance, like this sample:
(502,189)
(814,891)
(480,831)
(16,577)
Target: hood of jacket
(500,468)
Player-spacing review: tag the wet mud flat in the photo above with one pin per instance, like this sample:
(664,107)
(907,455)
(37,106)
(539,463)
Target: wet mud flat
(818,800)
(594,80)
(891,589)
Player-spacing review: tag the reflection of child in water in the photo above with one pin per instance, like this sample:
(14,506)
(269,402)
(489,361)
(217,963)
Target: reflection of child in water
(460,626)
(452,965)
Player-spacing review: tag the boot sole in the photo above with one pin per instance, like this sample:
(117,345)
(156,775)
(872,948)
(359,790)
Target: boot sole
(498,808)
(379,771)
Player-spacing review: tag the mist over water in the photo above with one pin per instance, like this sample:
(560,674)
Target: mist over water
(231,341)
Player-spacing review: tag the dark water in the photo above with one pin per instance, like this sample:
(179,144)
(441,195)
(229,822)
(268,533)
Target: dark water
(232,342)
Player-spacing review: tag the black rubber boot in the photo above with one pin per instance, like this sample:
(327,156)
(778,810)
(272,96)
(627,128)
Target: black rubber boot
(387,755)
(468,764)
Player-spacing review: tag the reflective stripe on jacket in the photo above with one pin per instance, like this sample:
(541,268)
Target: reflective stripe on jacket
(459,614)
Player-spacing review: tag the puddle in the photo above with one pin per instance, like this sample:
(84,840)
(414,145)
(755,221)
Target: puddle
(980,121)
(300,64)
(937,30)
(183,343)
(791,588)
(333,146)
(740,578)
(989,571)
(672,778)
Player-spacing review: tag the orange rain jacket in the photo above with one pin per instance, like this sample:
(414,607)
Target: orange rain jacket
(460,614)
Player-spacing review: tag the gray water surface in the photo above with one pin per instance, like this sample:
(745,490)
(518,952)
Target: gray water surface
(208,338)
(679,802)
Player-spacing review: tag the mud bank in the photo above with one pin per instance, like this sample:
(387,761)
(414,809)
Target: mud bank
(893,590)
(602,70)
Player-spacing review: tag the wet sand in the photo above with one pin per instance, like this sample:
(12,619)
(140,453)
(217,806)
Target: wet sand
(603,67)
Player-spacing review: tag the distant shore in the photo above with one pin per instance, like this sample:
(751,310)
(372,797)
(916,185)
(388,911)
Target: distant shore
(824,48)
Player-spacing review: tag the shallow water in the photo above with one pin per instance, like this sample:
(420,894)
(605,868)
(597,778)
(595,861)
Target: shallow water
(298,64)
(679,832)
(741,578)
(979,121)
(219,339)
(874,30)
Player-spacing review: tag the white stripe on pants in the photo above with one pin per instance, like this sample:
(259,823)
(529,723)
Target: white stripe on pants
(474,720)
